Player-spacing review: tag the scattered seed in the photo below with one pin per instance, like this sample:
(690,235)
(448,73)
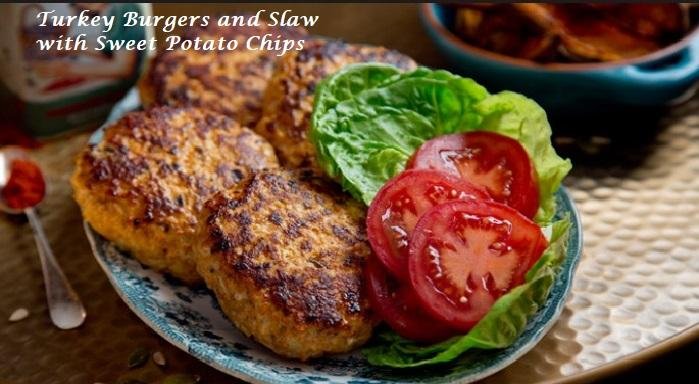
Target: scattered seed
(19,314)
(159,359)
(138,357)
(181,378)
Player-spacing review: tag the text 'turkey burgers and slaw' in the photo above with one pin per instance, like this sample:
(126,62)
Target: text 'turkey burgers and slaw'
(460,256)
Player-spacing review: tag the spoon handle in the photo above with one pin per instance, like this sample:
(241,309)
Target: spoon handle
(65,308)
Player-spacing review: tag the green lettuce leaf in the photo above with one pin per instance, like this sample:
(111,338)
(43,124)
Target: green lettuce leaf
(500,327)
(368,119)
(364,136)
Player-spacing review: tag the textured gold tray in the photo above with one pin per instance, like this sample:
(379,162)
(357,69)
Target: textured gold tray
(636,291)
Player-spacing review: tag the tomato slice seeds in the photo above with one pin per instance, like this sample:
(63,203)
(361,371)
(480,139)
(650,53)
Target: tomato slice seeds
(401,202)
(495,162)
(465,255)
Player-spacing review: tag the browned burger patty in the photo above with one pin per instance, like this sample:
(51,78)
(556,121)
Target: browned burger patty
(144,183)
(284,257)
(229,82)
(288,99)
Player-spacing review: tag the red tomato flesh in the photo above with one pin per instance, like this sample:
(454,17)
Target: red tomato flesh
(399,204)
(490,160)
(397,305)
(465,255)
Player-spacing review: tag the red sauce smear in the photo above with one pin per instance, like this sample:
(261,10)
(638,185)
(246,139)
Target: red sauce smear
(26,186)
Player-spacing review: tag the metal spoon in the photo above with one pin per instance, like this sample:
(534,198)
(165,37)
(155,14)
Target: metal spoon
(65,308)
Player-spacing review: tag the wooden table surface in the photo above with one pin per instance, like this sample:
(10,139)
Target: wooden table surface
(32,351)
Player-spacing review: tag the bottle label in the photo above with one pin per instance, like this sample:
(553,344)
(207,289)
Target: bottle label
(58,88)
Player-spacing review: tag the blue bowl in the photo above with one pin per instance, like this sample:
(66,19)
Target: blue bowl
(664,77)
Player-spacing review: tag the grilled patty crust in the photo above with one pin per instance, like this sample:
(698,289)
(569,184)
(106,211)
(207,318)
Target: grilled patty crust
(284,256)
(288,99)
(229,82)
(144,183)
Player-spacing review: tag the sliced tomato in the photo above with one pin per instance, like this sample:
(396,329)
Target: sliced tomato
(397,305)
(496,162)
(465,255)
(399,204)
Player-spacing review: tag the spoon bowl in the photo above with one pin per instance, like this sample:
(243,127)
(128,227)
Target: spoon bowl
(7,156)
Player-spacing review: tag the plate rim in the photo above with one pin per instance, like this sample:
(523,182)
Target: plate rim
(89,233)
(575,251)
(131,102)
